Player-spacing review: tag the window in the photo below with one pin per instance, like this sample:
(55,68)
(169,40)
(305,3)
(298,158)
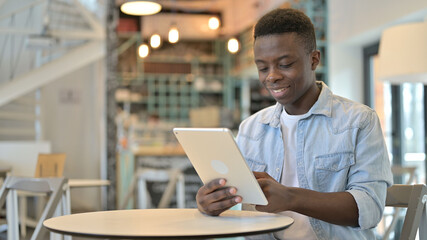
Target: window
(401,110)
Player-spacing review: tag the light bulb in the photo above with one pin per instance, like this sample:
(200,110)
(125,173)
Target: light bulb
(173,35)
(143,50)
(213,23)
(155,40)
(139,8)
(233,45)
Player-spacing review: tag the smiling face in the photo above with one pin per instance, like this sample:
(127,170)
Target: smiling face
(287,71)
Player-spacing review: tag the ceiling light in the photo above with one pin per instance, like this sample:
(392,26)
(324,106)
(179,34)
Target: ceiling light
(233,45)
(213,23)
(155,40)
(173,34)
(143,50)
(139,8)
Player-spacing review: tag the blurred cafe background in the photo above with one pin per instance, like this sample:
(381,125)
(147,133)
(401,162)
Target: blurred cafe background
(105,86)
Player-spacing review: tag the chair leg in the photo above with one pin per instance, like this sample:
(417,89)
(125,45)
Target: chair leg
(64,208)
(66,201)
(23,214)
(49,210)
(170,189)
(143,195)
(130,192)
(12,210)
(423,223)
(58,212)
(180,191)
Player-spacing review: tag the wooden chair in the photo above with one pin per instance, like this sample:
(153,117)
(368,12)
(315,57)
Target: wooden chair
(412,197)
(409,176)
(48,165)
(53,187)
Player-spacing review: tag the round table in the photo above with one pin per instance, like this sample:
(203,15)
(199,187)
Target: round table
(166,224)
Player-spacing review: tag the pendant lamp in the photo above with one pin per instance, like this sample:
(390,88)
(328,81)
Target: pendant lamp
(233,45)
(403,54)
(140,8)
(173,35)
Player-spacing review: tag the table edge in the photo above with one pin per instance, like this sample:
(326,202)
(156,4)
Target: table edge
(169,237)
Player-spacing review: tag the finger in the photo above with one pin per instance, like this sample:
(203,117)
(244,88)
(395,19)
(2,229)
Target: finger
(218,195)
(260,175)
(261,208)
(219,207)
(263,175)
(222,194)
(264,184)
(268,208)
(212,186)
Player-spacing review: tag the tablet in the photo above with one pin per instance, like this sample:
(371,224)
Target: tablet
(214,154)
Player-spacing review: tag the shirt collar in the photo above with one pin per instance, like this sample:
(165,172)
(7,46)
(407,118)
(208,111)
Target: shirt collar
(323,105)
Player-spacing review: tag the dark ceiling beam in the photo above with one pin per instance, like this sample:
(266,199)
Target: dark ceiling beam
(180,11)
(177,11)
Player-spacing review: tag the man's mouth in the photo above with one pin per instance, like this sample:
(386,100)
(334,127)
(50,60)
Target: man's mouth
(279,90)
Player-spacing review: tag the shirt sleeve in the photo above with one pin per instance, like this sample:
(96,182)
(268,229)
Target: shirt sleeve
(371,174)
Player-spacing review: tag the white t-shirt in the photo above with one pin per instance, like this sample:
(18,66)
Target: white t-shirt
(301,228)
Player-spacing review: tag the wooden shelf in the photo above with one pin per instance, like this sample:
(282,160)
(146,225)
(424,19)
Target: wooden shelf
(159,151)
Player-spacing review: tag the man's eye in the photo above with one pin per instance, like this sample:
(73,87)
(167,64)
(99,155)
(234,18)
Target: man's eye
(262,69)
(285,65)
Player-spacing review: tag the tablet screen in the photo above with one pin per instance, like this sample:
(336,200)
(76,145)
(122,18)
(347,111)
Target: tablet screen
(214,153)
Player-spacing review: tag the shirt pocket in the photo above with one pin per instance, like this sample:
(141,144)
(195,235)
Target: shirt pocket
(255,165)
(332,171)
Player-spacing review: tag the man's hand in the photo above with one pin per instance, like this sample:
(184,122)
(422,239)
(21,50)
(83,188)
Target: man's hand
(276,194)
(214,198)
(334,207)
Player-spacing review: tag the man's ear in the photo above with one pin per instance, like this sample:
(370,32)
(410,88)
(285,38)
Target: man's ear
(315,59)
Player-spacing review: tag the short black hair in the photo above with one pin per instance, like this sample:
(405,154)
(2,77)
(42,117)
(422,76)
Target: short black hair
(287,20)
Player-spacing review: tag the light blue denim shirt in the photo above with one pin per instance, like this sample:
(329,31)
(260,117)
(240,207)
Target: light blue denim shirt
(340,147)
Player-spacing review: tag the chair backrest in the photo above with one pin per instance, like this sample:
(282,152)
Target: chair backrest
(412,197)
(50,165)
(54,187)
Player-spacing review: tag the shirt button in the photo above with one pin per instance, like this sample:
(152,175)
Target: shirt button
(277,169)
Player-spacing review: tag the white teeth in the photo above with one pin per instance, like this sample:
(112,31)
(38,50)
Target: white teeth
(279,90)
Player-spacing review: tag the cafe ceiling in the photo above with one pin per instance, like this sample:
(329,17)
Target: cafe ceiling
(191,17)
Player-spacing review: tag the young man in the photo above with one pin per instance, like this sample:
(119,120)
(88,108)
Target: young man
(318,157)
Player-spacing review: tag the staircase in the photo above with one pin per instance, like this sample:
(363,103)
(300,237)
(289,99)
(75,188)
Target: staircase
(41,41)
(19,119)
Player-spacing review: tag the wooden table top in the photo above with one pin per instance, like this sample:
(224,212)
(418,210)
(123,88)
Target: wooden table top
(166,224)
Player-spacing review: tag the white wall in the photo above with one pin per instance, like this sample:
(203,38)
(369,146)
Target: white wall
(21,156)
(241,14)
(356,24)
(72,120)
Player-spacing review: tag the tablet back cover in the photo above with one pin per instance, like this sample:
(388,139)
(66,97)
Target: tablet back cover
(214,154)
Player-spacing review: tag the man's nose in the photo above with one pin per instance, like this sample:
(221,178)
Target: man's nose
(273,76)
